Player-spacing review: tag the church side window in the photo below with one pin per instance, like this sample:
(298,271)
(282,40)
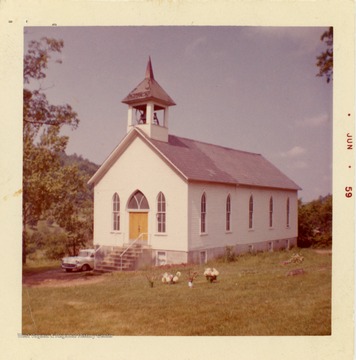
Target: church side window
(116,212)
(271,211)
(203,214)
(161,213)
(287,212)
(228,213)
(250,213)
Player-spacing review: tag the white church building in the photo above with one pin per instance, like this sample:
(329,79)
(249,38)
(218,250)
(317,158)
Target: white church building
(162,199)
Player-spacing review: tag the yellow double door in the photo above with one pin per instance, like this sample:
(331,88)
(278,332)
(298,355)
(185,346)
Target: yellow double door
(138,225)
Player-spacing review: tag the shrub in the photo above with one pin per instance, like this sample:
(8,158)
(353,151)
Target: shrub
(322,241)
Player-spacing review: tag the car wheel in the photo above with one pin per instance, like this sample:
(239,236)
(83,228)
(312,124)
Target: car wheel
(85,267)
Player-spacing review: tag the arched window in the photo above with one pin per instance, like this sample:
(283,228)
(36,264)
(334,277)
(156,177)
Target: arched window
(138,201)
(287,212)
(228,213)
(203,214)
(161,213)
(250,213)
(116,212)
(271,211)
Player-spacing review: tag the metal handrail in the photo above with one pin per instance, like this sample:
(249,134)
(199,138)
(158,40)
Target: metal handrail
(129,247)
(96,250)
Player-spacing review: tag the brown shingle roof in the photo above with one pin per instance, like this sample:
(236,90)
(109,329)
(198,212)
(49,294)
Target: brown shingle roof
(206,162)
(148,89)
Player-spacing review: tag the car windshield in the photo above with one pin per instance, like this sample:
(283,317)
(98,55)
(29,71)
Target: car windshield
(83,253)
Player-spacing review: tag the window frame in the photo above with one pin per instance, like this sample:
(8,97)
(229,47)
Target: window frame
(115,203)
(288,213)
(161,255)
(203,213)
(271,212)
(203,257)
(228,214)
(161,215)
(138,202)
(250,213)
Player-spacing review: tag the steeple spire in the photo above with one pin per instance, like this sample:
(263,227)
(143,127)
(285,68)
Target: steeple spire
(149,70)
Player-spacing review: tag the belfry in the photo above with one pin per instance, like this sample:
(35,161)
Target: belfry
(148,107)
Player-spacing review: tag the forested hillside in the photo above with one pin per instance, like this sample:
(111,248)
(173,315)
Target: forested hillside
(85,166)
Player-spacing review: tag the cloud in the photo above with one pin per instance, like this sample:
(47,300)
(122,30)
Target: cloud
(300,164)
(314,121)
(294,152)
(193,47)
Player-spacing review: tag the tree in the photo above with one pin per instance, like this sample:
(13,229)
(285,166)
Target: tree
(305,227)
(315,223)
(325,60)
(44,180)
(74,209)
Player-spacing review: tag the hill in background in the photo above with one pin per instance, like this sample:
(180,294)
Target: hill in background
(84,165)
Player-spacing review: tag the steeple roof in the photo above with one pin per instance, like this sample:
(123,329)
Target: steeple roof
(148,89)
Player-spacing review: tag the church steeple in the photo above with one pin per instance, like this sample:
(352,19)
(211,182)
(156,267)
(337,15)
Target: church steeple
(149,70)
(148,107)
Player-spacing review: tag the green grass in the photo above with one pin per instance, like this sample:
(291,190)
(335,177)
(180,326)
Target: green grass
(253,296)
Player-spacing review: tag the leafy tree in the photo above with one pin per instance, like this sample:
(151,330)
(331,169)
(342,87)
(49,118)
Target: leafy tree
(325,59)
(305,228)
(45,181)
(74,209)
(315,223)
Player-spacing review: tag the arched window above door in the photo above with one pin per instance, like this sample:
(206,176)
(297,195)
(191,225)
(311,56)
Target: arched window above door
(138,201)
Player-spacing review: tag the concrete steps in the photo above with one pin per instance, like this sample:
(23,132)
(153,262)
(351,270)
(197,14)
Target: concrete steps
(115,262)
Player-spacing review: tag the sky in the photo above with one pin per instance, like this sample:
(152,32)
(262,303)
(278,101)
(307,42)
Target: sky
(248,88)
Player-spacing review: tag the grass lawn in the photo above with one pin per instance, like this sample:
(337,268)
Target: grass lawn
(252,296)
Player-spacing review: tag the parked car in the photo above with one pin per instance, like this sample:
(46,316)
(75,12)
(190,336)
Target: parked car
(83,262)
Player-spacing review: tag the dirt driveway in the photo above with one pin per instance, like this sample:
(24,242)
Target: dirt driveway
(58,277)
